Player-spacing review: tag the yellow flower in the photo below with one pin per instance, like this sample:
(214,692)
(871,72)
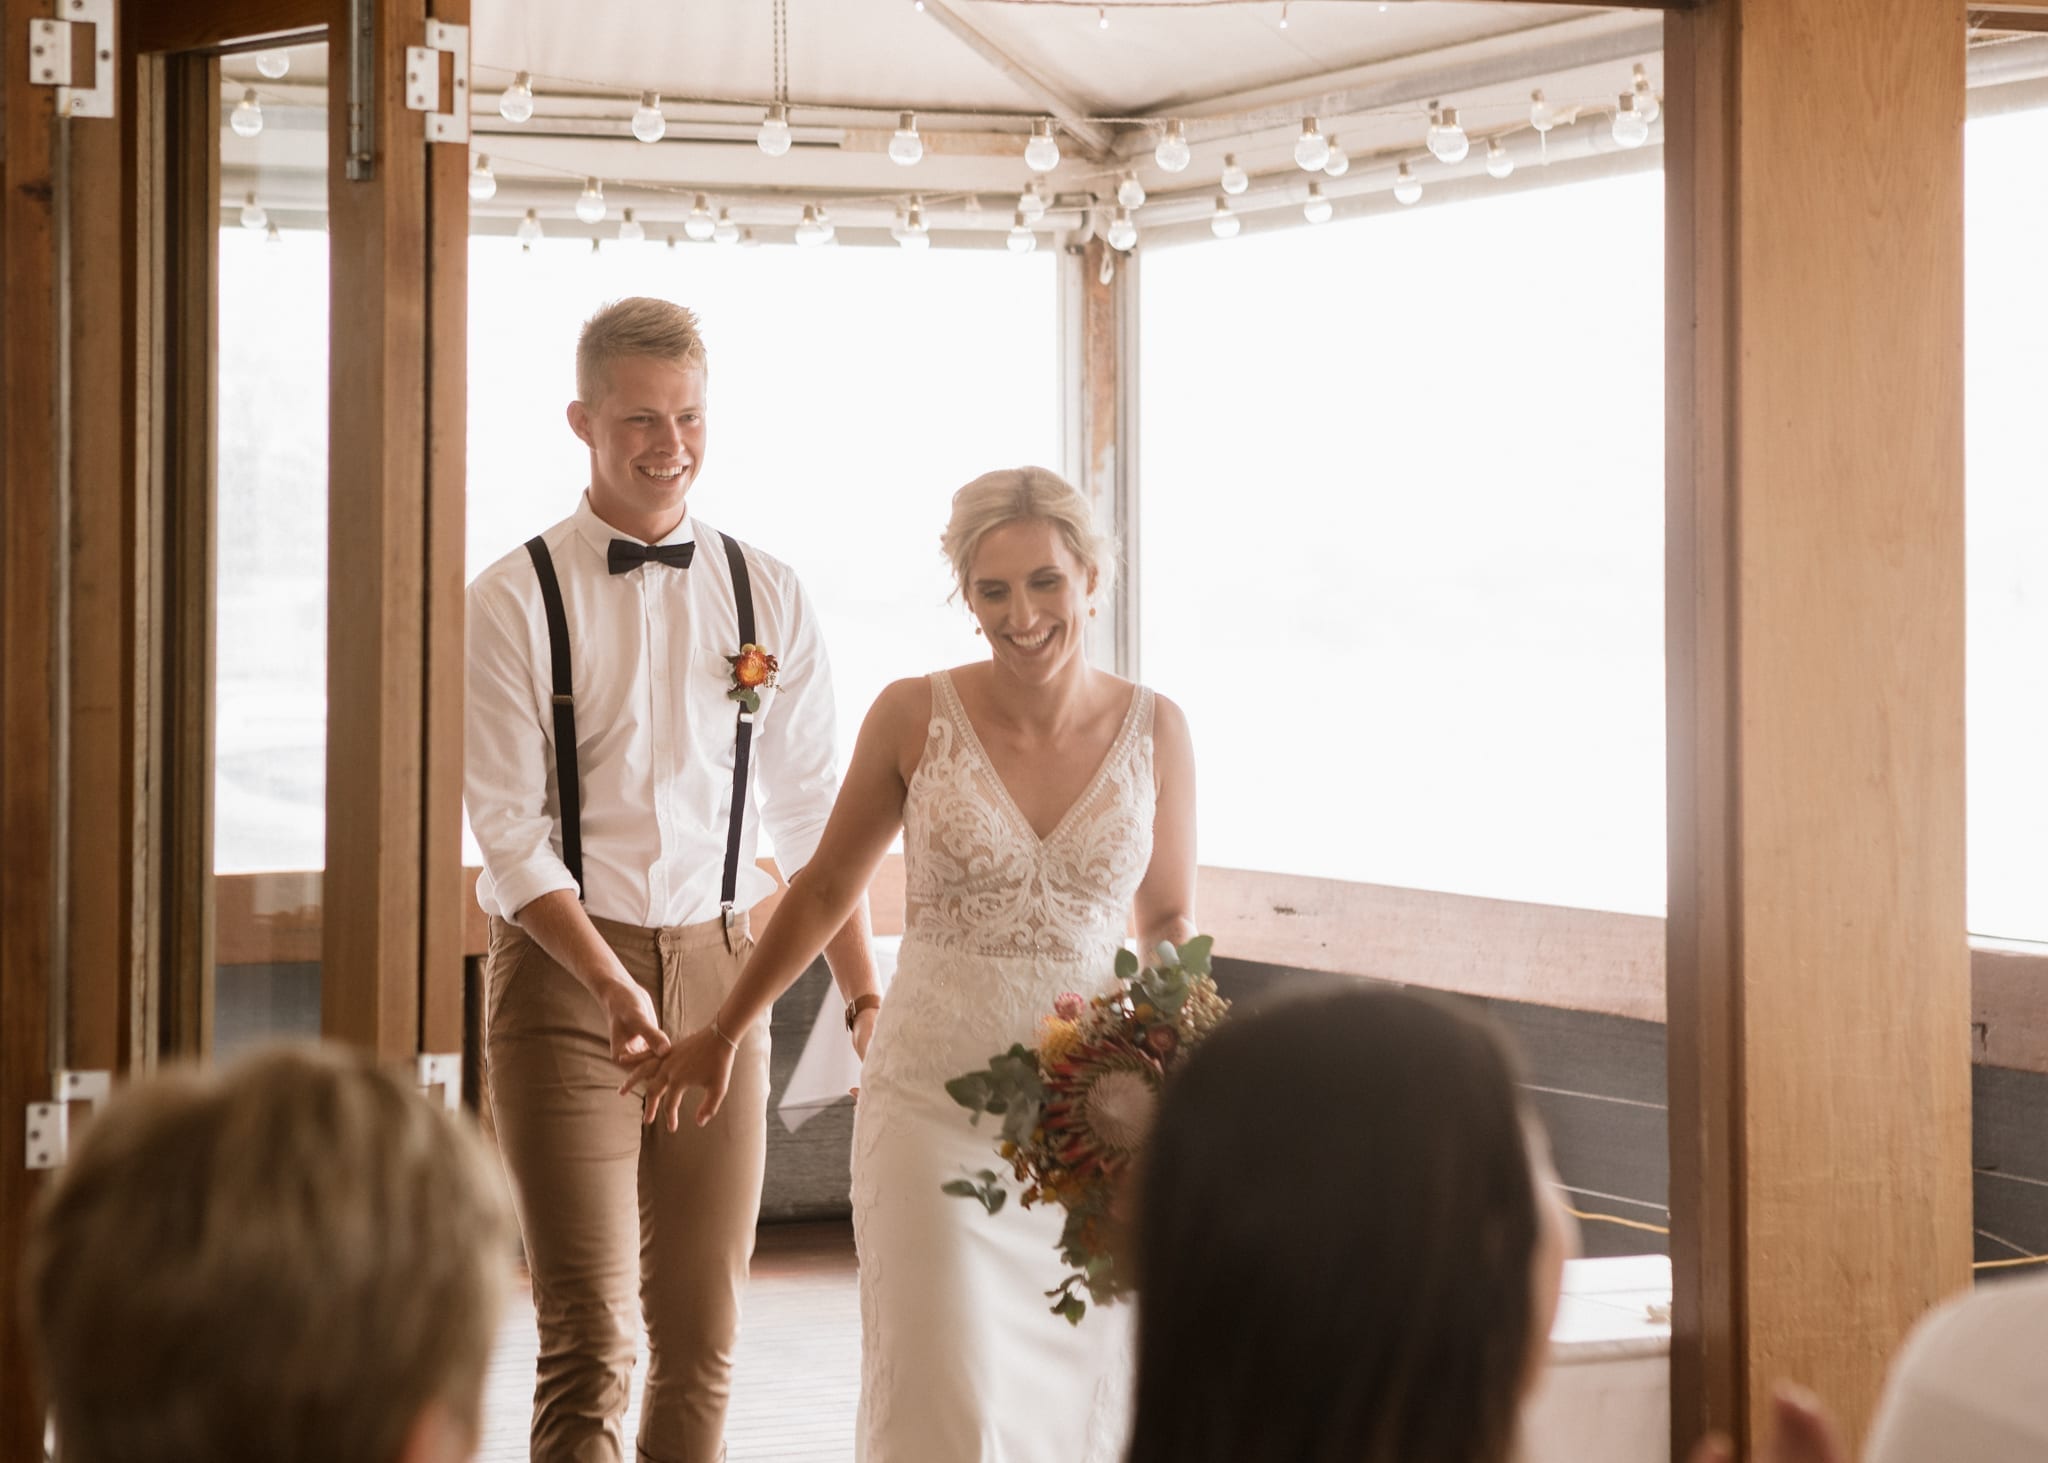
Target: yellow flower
(1056,1038)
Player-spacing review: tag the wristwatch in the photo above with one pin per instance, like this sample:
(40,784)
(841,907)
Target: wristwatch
(868,1002)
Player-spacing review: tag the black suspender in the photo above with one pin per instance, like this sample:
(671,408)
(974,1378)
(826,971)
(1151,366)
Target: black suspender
(743,733)
(569,793)
(568,786)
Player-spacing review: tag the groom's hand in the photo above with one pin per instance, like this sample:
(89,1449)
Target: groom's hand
(636,1032)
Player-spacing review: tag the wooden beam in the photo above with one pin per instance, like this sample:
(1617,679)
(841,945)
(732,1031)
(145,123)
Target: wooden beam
(29,466)
(1097,142)
(377,533)
(1814,652)
(443,890)
(173,29)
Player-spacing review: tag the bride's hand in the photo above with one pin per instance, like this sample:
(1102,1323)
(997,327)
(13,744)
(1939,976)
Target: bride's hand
(863,1033)
(701,1059)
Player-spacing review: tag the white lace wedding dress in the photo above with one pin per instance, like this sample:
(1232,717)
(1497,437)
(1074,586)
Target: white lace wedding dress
(962,1359)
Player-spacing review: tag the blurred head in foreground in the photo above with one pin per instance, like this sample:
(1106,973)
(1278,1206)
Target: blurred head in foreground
(1347,1249)
(293,1257)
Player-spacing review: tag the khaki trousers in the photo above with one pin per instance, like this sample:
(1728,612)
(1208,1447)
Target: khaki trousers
(618,1216)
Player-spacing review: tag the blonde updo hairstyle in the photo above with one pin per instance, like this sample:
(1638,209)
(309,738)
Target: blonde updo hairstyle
(1019,494)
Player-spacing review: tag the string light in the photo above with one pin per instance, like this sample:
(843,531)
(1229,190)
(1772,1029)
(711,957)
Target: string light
(1317,210)
(483,183)
(529,230)
(700,225)
(1310,150)
(1122,233)
(630,231)
(1022,240)
(1646,95)
(725,231)
(1283,14)
(1173,153)
(809,232)
(1234,179)
(247,119)
(590,207)
(1101,18)
(1130,192)
(274,64)
(1340,161)
(516,105)
(253,216)
(1223,223)
(1498,161)
(596,246)
(915,235)
(906,147)
(1447,140)
(1630,130)
(648,123)
(825,224)
(1031,203)
(1542,115)
(1042,152)
(271,235)
(773,138)
(747,239)
(1407,187)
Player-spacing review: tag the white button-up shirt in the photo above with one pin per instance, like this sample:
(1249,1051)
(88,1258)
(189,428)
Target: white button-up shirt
(655,729)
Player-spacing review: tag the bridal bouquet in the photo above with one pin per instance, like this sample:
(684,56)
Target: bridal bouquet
(1076,1108)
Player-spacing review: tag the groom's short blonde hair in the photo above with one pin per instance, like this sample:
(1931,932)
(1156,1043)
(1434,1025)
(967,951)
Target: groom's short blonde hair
(636,326)
(1016,494)
(293,1257)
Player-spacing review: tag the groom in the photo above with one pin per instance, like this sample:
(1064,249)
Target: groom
(643,694)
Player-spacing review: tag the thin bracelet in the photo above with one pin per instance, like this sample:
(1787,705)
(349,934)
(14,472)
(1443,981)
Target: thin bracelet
(721,1032)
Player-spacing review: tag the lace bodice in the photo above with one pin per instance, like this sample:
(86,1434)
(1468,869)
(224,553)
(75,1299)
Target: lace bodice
(979,879)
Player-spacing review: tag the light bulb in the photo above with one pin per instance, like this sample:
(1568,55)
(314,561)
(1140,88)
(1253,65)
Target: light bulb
(1646,95)
(810,233)
(253,216)
(1407,188)
(271,235)
(630,231)
(1234,179)
(1022,240)
(725,231)
(1101,18)
(596,247)
(1173,152)
(1317,209)
(1122,232)
(1224,224)
(774,134)
(516,105)
(1630,130)
(1031,203)
(1447,140)
(483,183)
(529,229)
(1310,150)
(1542,115)
(1340,161)
(700,225)
(248,115)
(826,226)
(1283,14)
(590,207)
(747,239)
(1498,163)
(906,147)
(1130,192)
(915,235)
(1042,152)
(648,123)
(274,64)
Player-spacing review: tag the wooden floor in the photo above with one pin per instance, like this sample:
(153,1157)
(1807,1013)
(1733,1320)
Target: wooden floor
(799,1358)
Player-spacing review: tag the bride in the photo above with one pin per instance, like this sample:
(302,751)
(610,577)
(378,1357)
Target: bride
(1044,804)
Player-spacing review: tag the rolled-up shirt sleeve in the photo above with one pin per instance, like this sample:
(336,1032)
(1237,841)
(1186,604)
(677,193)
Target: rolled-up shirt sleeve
(506,761)
(799,768)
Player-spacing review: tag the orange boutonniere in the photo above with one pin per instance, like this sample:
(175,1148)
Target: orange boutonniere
(753,671)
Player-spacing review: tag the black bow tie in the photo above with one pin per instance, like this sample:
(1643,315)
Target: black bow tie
(625,555)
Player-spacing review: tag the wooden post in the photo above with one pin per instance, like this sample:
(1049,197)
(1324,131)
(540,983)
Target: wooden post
(1818,966)
(1099,360)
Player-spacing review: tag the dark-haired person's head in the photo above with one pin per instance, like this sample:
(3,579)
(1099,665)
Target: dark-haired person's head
(294,1257)
(1346,1251)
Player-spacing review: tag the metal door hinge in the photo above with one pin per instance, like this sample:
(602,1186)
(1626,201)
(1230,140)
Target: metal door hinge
(50,44)
(423,81)
(49,1123)
(442,1070)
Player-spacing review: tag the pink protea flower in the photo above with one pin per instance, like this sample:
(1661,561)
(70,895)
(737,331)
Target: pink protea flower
(1069,1006)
